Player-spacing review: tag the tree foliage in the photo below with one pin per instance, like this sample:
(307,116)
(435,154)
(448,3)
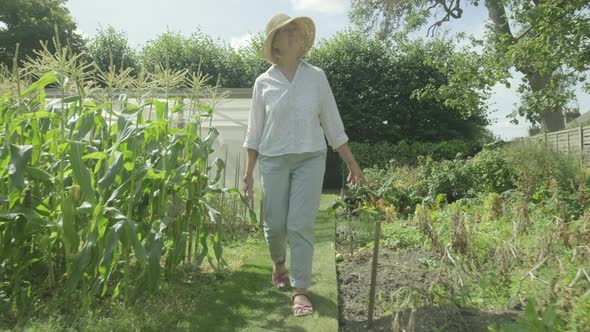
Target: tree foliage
(28,22)
(233,67)
(547,41)
(110,46)
(382,91)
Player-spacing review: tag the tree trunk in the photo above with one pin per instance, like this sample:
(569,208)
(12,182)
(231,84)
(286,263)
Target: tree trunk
(551,120)
(497,14)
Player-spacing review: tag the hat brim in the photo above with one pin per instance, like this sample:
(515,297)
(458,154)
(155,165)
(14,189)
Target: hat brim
(307,27)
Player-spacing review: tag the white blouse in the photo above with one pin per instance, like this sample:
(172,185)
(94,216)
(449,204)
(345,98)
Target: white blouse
(293,116)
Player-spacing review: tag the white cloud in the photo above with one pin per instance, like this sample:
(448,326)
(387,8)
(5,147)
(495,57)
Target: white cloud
(237,42)
(322,6)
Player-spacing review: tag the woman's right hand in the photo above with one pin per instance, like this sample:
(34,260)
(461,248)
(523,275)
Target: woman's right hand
(249,187)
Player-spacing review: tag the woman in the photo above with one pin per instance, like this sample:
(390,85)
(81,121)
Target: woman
(292,109)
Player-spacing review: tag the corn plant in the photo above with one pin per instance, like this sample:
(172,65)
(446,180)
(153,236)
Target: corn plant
(100,200)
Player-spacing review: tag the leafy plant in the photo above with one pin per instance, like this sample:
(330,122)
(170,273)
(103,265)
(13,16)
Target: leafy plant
(97,198)
(547,320)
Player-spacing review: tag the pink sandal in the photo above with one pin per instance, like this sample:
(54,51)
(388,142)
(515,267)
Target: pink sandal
(301,309)
(280,280)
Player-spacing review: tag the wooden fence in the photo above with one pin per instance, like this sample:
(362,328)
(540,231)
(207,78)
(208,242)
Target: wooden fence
(573,141)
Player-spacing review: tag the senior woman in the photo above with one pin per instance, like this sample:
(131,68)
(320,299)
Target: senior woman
(292,109)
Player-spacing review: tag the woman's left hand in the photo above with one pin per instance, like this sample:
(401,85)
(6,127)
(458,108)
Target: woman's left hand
(355,175)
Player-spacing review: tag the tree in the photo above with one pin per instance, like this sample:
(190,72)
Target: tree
(382,91)
(28,22)
(547,41)
(215,59)
(250,58)
(235,68)
(167,49)
(112,45)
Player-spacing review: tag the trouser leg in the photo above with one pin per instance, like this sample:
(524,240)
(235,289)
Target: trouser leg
(305,192)
(274,175)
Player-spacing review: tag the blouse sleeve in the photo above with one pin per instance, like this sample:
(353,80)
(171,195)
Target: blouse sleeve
(255,119)
(329,115)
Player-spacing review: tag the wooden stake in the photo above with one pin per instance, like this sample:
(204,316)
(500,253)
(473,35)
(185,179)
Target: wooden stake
(374,272)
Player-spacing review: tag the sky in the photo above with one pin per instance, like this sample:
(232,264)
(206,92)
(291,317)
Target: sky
(235,20)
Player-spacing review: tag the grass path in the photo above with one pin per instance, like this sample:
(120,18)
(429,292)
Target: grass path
(247,302)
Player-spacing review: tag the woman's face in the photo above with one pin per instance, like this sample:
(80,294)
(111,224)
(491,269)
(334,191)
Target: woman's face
(288,39)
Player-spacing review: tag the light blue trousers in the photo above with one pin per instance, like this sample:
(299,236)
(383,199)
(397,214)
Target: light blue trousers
(292,187)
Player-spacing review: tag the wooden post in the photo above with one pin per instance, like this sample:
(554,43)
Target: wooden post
(545,138)
(374,265)
(582,144)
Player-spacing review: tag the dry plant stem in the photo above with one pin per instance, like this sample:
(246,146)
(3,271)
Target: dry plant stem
(578,275)
(575,252)
(459,269)
(395,326)
(411,327)
(530,272)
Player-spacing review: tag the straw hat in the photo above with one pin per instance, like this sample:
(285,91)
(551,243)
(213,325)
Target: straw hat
(304,23)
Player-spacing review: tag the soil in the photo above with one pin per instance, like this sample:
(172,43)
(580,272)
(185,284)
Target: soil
(411,268)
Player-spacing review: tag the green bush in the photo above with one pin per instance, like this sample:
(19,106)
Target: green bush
(491,171)
(374,83)
(536,171)
(450,178)
(458,178)
(396,235)
(110,45)
(535,166)
(214,58)
(406,152)
(398,185)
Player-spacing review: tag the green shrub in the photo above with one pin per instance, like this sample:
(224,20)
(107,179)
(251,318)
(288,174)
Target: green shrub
(397,235)
(110,45)
(535,165)
(538,173)
(547,320)
(491,172)
(375,82)
(406,152)
(398,186)
(448,177)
